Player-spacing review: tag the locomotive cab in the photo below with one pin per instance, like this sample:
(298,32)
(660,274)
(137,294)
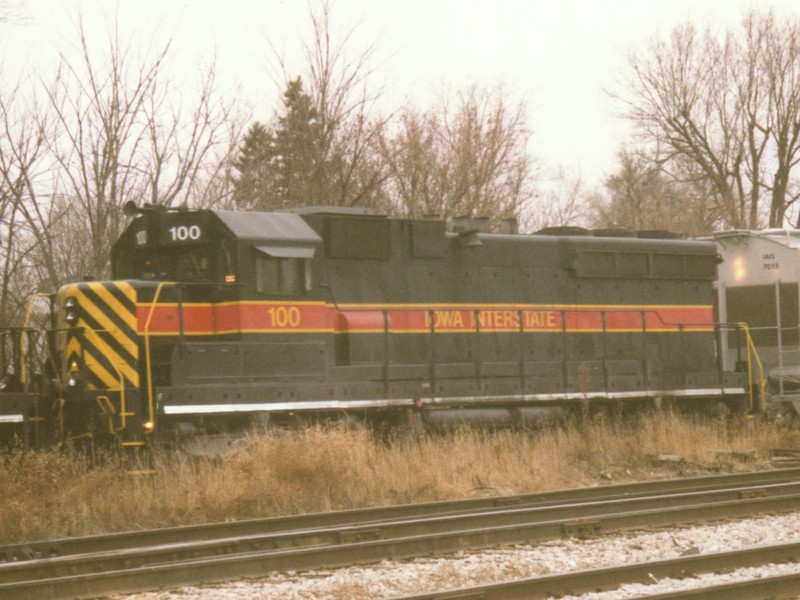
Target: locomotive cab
(181,246)
(173,313)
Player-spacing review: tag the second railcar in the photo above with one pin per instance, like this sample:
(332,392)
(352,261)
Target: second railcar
(758,285)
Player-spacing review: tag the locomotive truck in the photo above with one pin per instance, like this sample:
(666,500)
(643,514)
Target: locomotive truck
(214,320)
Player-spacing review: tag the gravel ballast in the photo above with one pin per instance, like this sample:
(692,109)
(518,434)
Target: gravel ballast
(389,578)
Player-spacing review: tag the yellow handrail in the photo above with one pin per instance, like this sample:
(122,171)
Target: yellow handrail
(762,382)
(150,403)
(122,402)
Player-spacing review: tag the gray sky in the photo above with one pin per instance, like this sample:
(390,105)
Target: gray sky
(559,55)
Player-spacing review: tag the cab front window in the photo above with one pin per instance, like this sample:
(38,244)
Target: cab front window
(192,265)
(168,265)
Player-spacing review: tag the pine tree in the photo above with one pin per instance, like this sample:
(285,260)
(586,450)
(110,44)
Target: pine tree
(254,188)
(300,150)
(283,167)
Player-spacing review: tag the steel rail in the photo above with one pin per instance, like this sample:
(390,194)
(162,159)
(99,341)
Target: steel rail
(161,571)
(581,514)
(787,586)
(578,519)
(249,527)
(611,578)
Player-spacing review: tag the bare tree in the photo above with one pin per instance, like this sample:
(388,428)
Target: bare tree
(12,12)
(467,157)
(417,174)
(723,110)
(24,168)
(781,65)
(560,202)
(213,185)
(184,142)
(338,78)
(641,196)
(124,134)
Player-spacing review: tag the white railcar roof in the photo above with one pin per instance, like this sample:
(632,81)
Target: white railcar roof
(757,257)
(785,237)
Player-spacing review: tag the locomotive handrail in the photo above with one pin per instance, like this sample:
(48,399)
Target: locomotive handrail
(521,339)
(149,374)
(762,382)
(432,353)
(791,349)
(147,355)
(123,411)
(328,289)
(751,358)
(15,335)
(477,346)
(23,336)
(648,319)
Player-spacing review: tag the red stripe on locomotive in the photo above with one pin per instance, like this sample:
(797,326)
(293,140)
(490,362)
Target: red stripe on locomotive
(263,317)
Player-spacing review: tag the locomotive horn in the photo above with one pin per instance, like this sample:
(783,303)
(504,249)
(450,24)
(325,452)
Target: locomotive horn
(130,208)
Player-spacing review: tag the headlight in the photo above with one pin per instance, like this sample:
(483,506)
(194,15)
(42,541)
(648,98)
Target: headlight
(75,379)
(71,310)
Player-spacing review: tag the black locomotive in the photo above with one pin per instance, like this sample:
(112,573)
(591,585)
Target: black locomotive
(216,319)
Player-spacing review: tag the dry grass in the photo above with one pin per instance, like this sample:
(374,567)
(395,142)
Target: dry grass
(54,494)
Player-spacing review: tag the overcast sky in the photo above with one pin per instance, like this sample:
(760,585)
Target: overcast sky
(560,54)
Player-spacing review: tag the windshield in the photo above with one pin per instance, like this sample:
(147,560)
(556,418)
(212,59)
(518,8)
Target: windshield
(178,264)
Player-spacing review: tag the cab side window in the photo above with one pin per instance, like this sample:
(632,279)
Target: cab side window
(283,276)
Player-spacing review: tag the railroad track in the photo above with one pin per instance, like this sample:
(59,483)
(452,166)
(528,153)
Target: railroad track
(606,579)
(137,561)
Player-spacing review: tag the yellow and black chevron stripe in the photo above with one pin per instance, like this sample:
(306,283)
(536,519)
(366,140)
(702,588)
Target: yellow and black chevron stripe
(104,339)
